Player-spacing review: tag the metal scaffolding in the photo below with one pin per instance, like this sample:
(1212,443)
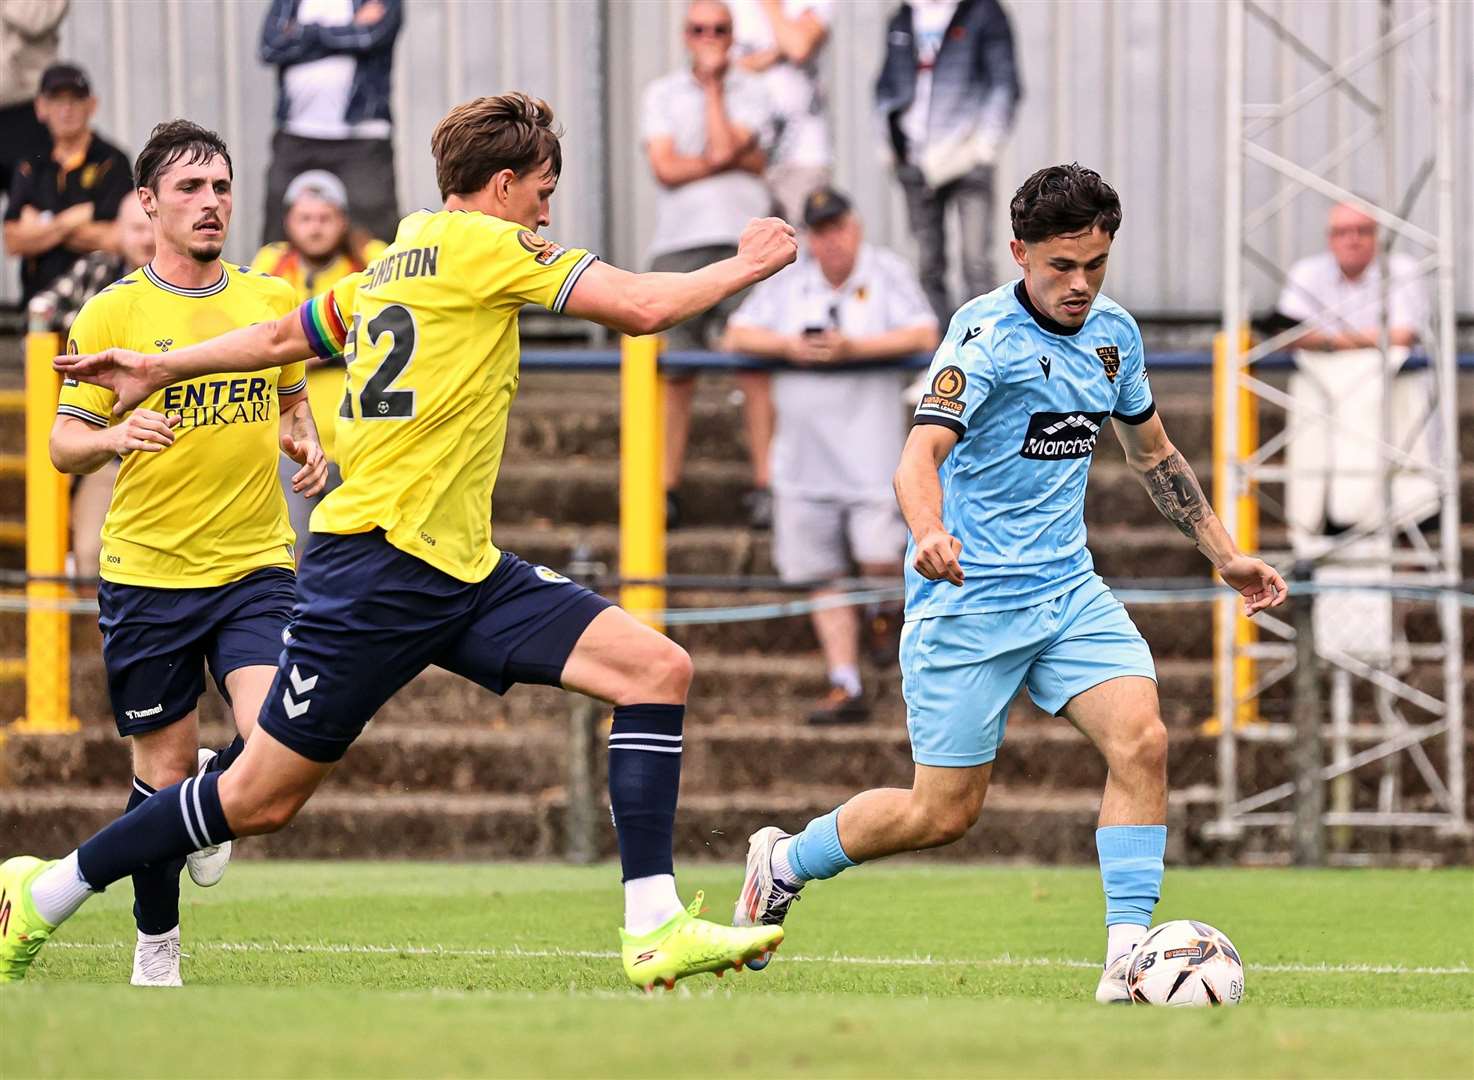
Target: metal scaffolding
(1396,704)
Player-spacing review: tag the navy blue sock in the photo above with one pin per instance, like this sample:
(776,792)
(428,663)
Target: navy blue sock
(222,759)
(156,886)
(644,781)
(163,827)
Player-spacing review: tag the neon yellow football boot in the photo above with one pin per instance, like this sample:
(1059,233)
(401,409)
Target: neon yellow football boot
(22,933)
(687,945)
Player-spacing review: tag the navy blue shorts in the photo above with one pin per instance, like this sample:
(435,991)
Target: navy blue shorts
(369,618)
(156,642)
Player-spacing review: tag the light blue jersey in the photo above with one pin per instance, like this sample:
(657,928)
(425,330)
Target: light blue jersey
(1027,399)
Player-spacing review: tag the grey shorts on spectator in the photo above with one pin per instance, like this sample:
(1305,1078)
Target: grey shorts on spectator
(824,539)
(704,331)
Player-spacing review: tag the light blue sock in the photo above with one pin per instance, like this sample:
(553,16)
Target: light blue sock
(815,853)
(1131,871)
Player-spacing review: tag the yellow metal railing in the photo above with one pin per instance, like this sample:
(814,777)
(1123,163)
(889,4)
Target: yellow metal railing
(1246,510)
(641,478)
(48,633)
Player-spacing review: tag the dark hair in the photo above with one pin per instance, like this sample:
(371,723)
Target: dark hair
(480,138)
(1063,200)
(171,141)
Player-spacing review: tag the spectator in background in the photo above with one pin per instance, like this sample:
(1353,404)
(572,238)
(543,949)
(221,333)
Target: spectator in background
(706,128)
(55,308)
(28,44)
(64,205)
(1338,293)
(839,432)
(333,59)
(780,40)
(320,250)
(946,97)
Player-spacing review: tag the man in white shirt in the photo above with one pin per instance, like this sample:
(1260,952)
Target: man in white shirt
(781,40)
(1337,294)
(840,427)
(706,128)
(334,59)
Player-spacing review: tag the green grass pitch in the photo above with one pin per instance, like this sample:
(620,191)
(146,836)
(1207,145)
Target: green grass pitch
(396,969)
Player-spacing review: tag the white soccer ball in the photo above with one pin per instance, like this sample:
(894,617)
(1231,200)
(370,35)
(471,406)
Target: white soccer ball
(1186,962)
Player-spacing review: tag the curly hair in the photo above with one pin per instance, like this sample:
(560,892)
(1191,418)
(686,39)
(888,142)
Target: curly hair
(1064,200)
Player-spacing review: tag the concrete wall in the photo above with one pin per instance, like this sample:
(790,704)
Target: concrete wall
(1132,87)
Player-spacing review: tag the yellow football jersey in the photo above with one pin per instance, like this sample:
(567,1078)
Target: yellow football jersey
(209,509)
(324,381)
(429,331)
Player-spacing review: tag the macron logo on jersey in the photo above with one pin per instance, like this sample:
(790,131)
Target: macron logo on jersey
(1054,436)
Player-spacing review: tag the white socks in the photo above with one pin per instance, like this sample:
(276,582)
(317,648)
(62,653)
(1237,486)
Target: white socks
(649,902)
(1121,938)
(783,869)
(847,678)
(58,892)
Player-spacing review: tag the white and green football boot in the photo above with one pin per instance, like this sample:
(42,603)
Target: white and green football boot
(22,931)
(686,945)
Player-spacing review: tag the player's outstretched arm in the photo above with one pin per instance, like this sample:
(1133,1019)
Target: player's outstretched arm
(132,376)
(1170,481)
(919,492)
(649,303)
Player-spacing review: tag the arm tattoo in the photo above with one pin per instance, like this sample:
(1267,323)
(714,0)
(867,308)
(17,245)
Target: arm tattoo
(1178,496)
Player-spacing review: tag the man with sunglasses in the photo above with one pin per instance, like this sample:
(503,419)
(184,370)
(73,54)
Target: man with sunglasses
(706,129)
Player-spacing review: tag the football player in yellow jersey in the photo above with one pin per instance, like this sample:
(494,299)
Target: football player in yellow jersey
(320,250)
(196,559)
(404,574)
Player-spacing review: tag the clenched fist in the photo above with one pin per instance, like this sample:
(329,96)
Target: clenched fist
(769,244)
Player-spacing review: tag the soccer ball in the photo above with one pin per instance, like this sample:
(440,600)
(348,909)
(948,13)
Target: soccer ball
(1186,963)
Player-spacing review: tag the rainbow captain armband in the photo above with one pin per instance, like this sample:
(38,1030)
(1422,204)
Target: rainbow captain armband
(325,329)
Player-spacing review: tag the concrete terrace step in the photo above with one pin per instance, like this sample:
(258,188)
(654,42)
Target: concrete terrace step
(763,756)
(50,821)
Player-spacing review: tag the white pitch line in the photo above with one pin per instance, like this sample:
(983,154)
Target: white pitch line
(518,953)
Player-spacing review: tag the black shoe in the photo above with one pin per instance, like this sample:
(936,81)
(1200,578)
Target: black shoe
(759,506)
(884,644)
(840,707)
(672,511)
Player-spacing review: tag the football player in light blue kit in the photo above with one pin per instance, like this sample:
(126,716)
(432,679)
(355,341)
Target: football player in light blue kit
(1001,591)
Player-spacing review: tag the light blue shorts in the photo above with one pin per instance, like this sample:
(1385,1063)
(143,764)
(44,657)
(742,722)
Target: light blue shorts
(960,672)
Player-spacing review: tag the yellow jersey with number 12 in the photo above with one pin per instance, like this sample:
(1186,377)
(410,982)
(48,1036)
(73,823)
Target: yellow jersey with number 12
(429,331)
(209,509)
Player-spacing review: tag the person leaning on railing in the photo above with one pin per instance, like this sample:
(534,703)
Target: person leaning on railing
(838,434)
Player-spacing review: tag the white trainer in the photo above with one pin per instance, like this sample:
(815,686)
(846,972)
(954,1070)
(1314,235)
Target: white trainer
(1112,988)
(764,900)
(156,960)
(207,866)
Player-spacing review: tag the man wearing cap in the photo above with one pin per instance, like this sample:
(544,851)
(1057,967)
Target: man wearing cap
(65,204)
(320,250)
(837,317)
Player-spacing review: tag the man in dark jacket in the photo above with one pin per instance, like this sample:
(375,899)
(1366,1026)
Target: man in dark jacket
(946,97)
(333,59)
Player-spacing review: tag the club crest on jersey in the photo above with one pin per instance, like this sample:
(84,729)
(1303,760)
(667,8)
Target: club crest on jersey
(946,390)
(1056,436)
(544,252)
(1110,359)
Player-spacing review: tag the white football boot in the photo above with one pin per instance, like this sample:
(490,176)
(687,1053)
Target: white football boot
(156,959)
(1112,988)
(207,866)
(764,900)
